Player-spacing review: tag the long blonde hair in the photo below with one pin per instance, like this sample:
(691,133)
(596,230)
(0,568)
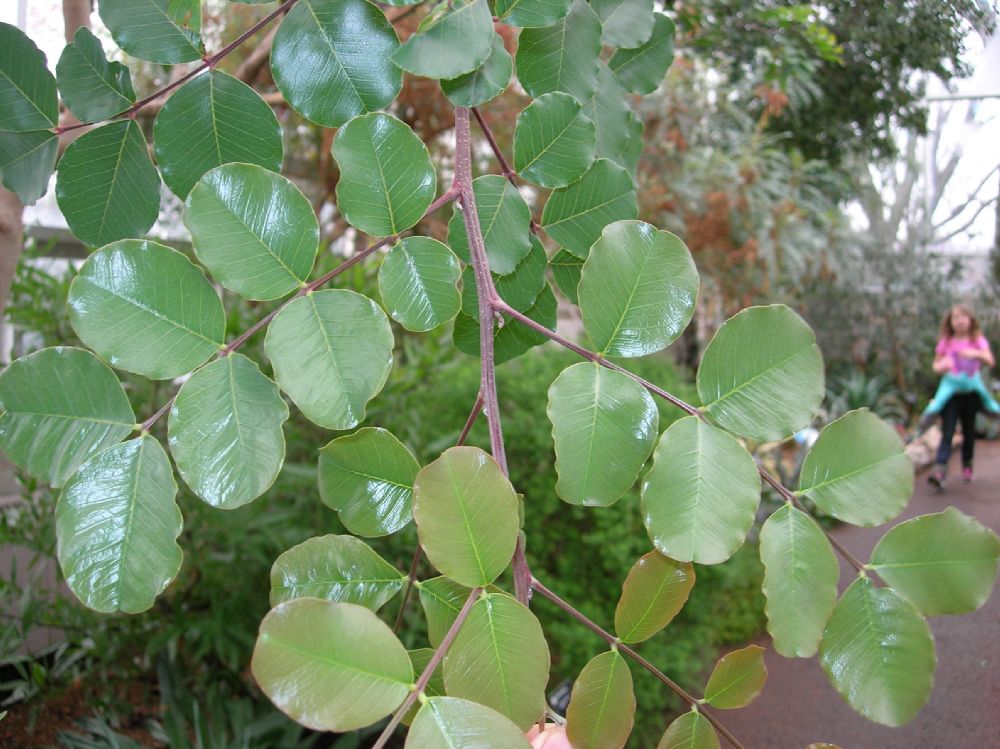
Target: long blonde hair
(947,331)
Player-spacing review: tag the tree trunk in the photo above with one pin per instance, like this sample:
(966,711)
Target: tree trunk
(76,13)
(11,231)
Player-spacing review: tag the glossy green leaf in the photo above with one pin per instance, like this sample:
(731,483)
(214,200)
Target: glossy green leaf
(421,658)
(332,352)
(737,679)
(450,41)
(604,426)
(117,525)
(225,432)
(253,230)
(512,338)
(331,60)
(107,187)
(27,161)
(453,723)
(531,13)
(690,731)
(342,569)
(500,659)
(484,83)
(387,180)
(466,515)
(575,216)
(147,309)
(654,592)
(554,141)
(59,406)
(700,497)
(857,471)
(92,87)
(637,290)
(602,706)
(504,218)
(28,98)
(800,581)
(945,563)
(164,31)
(519,289)
(212,120)
(762,374)
(566,270)
(330,666)
(368,478)
(418,282)
(624,23)
(442,600)
(878,652)
(608,109)
(563,56)
(642,69)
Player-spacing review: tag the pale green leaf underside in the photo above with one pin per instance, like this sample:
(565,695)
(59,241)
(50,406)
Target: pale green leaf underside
(342,569)
(418,283)
(737,679)
(624,23)
(441,599)
(330,666)
(421,658)
(60,406)
(531,13)
(225,432)
(642,69)
(453,723)
(368,478)
(690,731)
(117,525)
(700,497)
(653,593)
(604,426)
(602,706)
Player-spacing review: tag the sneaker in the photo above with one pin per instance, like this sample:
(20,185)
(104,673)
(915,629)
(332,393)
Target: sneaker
(936,478)
(967,473)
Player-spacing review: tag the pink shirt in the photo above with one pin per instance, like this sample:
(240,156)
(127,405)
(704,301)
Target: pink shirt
(960,364)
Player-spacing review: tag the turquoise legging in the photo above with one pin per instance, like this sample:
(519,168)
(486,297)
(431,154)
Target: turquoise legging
(960,383)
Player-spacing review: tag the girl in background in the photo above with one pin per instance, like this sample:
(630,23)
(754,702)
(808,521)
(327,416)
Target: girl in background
(959,355)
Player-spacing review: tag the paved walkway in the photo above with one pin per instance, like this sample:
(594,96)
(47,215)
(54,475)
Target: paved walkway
(799,706)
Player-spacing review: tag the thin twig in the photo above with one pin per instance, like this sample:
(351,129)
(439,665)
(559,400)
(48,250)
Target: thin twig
(614,641)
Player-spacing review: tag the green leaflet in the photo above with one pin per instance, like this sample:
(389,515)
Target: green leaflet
(421,658)
(453,723)
(519,289)
(313,658)
(59,407)
(602,706)
(566,270)
(387,179)
(512,338)
(945,563)
(28,99)
(348,45)
(604,426)
(442,600)
(332,352)
(341,569)
(213,120)
(800,581)
(700,497)
(500,659)
(637,290)
(450,41)
(466,515)
(878,652)
(27,161)
(737,679)
(654,592)
(147,309)
(117,525)
(857,470)
(762,374)
(640,70)
(164,31)
(531,13)
(624,23)
(107,187)
(554,141)
(505,220)
(484,83)
(253,230)
(418,283)
(92,87)
(225,432)
(608,109)
(563,56)
(690,731)
(368,478)
(575,216)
